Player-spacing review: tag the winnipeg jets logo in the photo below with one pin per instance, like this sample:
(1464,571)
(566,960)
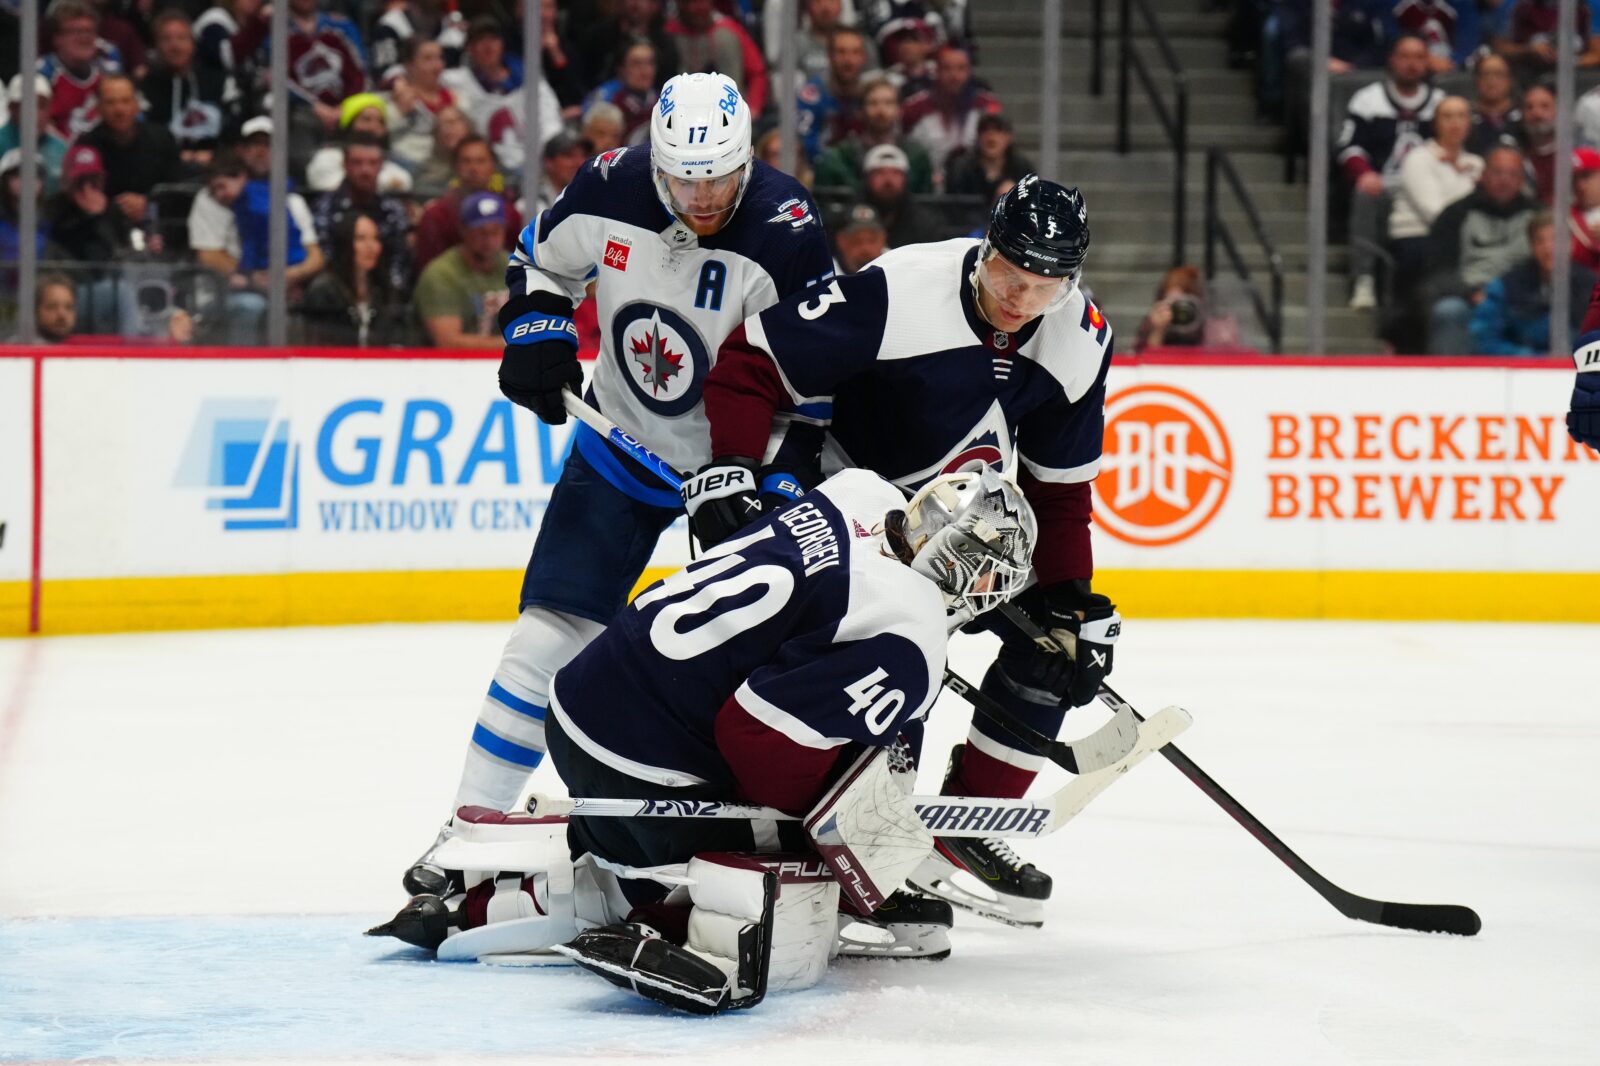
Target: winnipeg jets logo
(656,359)
(796,212)
(661,356)
(606,160)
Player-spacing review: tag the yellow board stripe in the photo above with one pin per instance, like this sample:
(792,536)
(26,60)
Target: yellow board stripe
(107,605)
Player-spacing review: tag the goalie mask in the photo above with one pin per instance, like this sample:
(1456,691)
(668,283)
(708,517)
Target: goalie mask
(972,534)
(700,149)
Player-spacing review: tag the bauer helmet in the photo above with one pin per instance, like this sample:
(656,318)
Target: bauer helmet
(1032,256)
(700,147)
(972,534)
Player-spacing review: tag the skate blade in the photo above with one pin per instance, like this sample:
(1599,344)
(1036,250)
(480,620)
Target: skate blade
(904,940)
(528,959)
(1021,913)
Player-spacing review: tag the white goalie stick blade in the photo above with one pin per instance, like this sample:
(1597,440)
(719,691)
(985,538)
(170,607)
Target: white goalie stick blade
(949,816)
(1155,733)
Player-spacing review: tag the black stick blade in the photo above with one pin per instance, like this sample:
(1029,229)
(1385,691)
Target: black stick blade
(1431,918)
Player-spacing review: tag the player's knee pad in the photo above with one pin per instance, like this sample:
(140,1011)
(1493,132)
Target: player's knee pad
(542,642)
(868,832)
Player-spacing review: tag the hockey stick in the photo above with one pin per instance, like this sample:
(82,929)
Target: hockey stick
(1096,751)
(1422,917)
(948,816)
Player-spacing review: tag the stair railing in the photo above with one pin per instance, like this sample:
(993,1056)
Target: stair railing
(1174,120)
(1218,166)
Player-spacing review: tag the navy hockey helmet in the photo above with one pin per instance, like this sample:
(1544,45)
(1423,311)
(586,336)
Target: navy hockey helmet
(1042,227)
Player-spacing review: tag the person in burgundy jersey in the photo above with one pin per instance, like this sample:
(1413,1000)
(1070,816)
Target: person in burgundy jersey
(79,56)
(934,358)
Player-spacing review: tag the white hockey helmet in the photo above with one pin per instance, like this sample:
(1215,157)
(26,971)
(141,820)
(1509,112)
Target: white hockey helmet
(972,534)
(700,133)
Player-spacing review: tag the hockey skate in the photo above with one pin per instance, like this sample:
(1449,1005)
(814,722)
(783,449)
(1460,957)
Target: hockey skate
(983,875)
(907,926)
(426,877)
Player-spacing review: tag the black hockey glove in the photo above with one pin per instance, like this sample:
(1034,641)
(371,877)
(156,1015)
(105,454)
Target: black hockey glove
(1583,421)
(541,355)
(722,498)
(1085,623)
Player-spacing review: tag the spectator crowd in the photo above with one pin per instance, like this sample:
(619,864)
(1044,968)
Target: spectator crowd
(410,174)
(1446,160)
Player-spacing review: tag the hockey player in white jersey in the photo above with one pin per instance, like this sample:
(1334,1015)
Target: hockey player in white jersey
(682,240)
(936,357)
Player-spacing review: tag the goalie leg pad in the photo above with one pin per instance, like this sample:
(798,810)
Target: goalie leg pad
(757,923)
(868,832)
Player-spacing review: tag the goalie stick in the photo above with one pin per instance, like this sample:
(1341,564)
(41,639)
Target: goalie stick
(950,816)
(1422,917)
(1096,751)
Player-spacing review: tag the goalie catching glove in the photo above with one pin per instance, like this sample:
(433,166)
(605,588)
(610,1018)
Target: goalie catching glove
(1086,624)
(540,360)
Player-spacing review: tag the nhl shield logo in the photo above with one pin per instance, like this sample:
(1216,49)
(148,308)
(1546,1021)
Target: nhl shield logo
(661,355)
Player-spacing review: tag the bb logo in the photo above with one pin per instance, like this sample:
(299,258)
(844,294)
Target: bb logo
(616,254)
(1165,469)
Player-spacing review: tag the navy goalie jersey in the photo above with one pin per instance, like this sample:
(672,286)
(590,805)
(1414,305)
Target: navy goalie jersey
(665,298)
(800,624)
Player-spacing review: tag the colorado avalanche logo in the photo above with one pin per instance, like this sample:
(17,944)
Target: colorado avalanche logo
(661,356)
(981,449)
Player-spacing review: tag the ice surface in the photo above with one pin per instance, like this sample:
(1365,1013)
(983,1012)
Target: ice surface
(194,829)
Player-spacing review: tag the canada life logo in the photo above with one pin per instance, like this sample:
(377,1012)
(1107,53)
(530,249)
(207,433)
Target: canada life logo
(1165,469)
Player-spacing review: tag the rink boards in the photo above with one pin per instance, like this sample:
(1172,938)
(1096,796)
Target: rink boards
(203,487)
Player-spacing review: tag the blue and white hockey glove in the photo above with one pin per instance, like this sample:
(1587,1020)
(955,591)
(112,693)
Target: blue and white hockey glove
(1583,420)
(1085,623)
(541,354)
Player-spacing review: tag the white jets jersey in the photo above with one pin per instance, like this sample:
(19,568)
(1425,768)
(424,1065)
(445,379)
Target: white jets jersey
(665,298)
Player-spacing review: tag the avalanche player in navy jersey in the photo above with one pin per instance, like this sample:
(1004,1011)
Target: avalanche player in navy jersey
(780,669)
(934,358)
(682,240)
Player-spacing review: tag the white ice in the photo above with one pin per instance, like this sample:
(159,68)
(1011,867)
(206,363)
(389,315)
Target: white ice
(195,828)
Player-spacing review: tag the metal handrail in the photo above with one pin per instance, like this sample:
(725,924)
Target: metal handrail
(1176,126)
(1216,230)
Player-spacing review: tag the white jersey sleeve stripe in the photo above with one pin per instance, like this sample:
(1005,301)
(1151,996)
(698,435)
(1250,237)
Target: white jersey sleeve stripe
(1069,476)
(776,718)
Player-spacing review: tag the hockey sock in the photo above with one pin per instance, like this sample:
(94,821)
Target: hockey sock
(507,745)
(508,740)
(994,762)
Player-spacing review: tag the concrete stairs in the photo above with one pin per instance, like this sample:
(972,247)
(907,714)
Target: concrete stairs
(1130,197)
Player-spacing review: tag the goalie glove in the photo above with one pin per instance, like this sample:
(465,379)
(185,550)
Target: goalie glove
(1084,623)
(1583,420)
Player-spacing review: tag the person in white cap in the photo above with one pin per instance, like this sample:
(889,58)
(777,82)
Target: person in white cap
(884,175)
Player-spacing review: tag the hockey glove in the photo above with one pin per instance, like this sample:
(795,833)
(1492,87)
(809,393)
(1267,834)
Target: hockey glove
(778,489)
(1583,421)
(1085,623)
(541,354)
(722,498)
